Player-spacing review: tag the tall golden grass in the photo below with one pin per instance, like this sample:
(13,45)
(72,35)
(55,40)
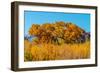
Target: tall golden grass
(42,52)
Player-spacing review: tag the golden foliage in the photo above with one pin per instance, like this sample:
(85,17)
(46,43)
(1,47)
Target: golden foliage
(48,33)
(34,29)
(56,41)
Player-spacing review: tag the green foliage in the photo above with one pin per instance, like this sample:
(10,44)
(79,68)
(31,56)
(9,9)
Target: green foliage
(28,56)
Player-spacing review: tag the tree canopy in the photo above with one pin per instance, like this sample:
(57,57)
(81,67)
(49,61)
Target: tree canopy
(57,33)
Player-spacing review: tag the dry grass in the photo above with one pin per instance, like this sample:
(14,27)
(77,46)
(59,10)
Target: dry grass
(57,52)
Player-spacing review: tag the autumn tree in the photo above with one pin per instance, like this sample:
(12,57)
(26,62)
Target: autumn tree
(56,33)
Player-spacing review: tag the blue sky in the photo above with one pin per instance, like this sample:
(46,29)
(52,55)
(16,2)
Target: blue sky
(35,17)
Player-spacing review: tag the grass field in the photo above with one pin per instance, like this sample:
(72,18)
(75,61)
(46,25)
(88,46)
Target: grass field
(43,52)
